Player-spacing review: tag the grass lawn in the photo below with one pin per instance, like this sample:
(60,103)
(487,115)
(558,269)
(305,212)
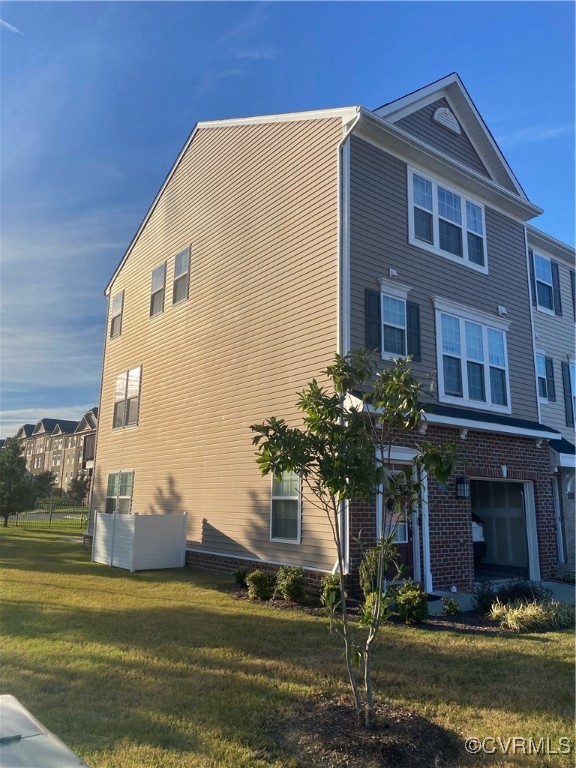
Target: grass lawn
(162,670)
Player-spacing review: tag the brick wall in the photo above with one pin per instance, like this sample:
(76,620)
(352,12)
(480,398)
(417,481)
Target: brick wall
(481,455)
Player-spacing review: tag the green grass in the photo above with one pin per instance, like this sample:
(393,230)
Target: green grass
(163,670)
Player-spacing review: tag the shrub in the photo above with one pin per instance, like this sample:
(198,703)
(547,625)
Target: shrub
(369,572)
(522,616)
(512,591)
(260,585)
(290,583)
(240,576)
(450,607)
(330,594)
(522,590)
(411,603)
(483,596)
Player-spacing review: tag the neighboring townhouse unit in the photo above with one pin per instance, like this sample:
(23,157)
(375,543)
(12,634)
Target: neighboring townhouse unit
(61,446)
(276,242)
(552,279)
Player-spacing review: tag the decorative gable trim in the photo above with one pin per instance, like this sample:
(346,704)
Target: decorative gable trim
(465,111)
(446,118)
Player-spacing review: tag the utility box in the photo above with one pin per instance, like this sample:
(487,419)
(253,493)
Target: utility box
(25,743)
(139,542)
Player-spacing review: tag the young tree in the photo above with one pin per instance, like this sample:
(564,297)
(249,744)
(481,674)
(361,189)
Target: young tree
(78,489)
(44,484)
(15,482)
(342,453)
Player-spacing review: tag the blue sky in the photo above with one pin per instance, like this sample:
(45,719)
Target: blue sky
(98,98)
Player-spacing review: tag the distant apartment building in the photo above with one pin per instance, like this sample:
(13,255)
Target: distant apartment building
(63,447)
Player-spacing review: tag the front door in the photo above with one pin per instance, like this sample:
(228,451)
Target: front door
(499,506)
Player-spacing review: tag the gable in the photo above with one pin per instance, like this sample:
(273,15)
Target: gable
(426,125)
(450,92)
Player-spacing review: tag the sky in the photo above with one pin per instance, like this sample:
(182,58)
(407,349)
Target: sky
(99,97)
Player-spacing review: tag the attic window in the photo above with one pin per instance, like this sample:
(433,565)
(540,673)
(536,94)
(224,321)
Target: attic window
(446,118)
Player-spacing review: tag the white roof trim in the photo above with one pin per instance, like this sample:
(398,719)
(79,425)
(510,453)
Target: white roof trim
(400,108)
(540,240)
(351,401)
(344,113)
(489,426)
(406,145)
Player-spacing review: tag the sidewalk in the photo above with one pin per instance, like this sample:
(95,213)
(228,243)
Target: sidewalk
(563,593)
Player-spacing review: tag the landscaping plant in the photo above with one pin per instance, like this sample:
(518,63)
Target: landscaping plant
(290,583)
(450,607)
(260,585)
(342,453)
(411,603)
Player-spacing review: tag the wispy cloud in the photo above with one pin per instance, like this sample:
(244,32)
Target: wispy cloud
(535,135)
(254,54)
(236,44)
(211,78)
(9,27)
(12,420)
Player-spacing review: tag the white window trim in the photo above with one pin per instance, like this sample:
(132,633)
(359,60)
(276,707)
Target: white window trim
(540,307)
(398,291)
(106,497)
(442,306)
(298,539)
(543,400)
(435,248)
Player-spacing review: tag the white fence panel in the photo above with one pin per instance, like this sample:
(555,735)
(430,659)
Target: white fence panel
(140,542)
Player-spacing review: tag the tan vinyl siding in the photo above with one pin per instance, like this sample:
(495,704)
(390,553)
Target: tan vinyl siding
(458,146)
(257,204)
(379,241)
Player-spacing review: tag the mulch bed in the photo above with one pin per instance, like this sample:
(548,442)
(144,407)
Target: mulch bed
(325,734)
(466,623)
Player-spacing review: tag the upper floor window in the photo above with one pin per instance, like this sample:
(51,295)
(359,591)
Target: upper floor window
(545,280)
(545,376)
(569,381)
(119,492)
(446,222)
(472,360)
(286,507)
(127,398)
(157,290)
(116,314)
(392,322)
(181,276)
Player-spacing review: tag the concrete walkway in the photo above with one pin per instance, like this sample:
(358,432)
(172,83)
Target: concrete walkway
(563,593)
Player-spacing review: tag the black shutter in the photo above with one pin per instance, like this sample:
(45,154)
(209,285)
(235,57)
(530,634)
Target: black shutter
(556,289)
(567,395)
(573,287)
(373,321)
(550,386)
(532,278)
(413,330)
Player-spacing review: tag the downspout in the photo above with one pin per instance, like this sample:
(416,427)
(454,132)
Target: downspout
(343,302)
(532,324)
(428,586)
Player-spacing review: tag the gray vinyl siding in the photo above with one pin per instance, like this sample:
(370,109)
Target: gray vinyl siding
(422,125)
(555,339)
(379,241)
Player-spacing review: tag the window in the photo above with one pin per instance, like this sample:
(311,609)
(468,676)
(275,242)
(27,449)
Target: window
(393,326)
(127,398)
(116,314)
(544,287)
(181,276)
(545,280)
(285,514)
(157,290)
(119,492)
(569,382)
(541,373)
(472,360)
(446,222)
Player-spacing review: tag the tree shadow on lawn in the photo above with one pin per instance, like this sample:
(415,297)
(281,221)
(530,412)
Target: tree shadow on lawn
(295,652)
